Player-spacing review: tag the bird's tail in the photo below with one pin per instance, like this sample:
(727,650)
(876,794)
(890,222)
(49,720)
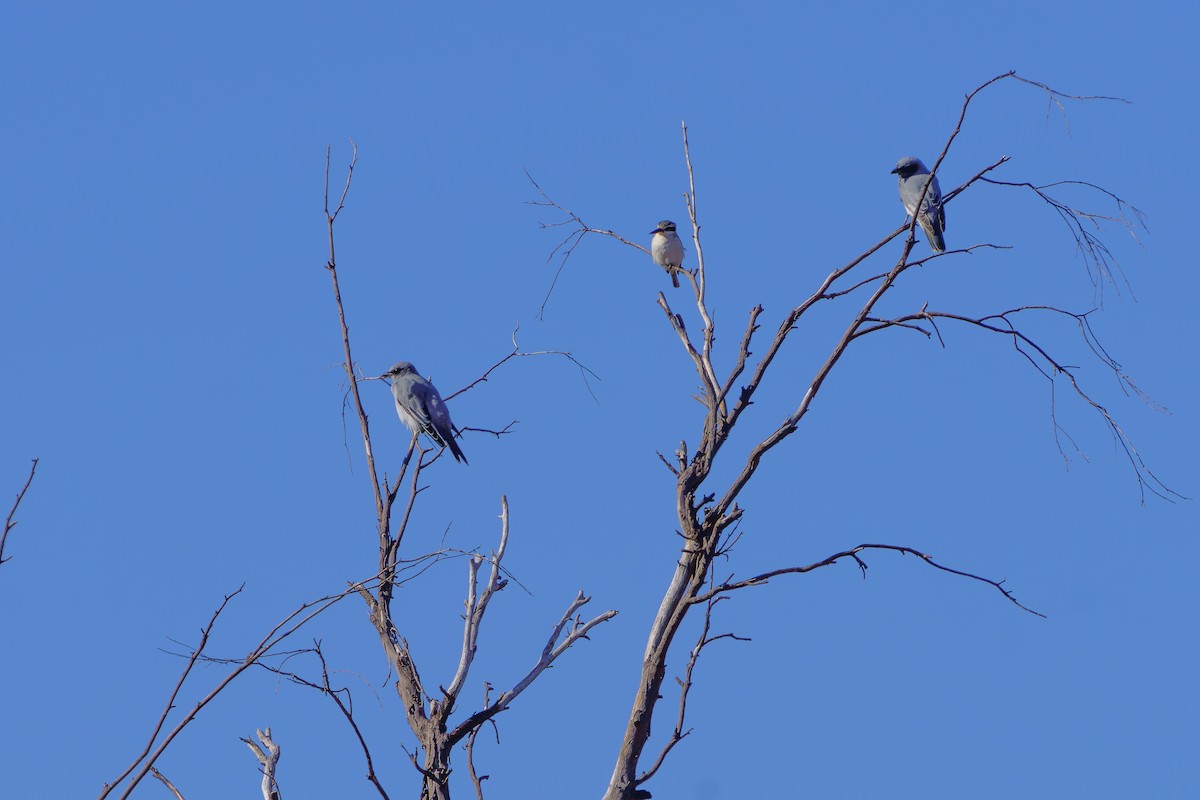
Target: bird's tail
(674,271)
(456,451)
(936,240)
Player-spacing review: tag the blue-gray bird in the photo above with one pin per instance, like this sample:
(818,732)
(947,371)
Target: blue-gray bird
(913,177)
(421,408)
(667,250)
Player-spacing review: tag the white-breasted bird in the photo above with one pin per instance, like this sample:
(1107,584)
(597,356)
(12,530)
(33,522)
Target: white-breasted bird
(667,250)
(932,219)
(419,406)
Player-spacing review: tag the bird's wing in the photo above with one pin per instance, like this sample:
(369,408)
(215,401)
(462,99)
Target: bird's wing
(676,250)
(439,418)
(436,419)
(935,191)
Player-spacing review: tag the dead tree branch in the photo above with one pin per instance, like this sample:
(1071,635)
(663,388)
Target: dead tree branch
(560,640)
(584,371)
(170,786)
(706,515)
(685,685)
(1085,227)
(477,779)
(429,717)
(1050,368)
(721,590)
(567,246)
(268,757)
(274,637)
(9,522)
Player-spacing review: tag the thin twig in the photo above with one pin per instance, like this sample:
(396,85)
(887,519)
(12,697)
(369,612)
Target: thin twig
(195,656)
(9,522)
(477,779)
(280,632)
(567,245)
(516,353)
(1049,367)
(685,686)
(852,553)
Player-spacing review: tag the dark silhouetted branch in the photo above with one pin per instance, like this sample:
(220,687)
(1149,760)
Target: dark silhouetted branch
(9,522)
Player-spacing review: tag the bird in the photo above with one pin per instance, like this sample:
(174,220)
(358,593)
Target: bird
(421,408)
(667,250)
(913,177)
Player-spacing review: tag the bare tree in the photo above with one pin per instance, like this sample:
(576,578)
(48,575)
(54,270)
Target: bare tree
(708,509)
(430,715)
(707,506)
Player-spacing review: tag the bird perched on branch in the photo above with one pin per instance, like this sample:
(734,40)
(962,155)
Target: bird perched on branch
(667,250)
(421,408)
(932,219)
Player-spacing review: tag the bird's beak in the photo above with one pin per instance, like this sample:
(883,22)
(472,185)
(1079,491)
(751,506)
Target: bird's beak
(656,230)
(896,170)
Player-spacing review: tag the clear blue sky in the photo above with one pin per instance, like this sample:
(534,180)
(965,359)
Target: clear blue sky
(171,354)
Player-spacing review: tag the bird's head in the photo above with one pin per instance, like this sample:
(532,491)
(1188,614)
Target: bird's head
(909,166)
(398,369)
(666,226)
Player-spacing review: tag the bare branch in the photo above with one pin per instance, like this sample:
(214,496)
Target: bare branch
(195,656)
(1055,97)
(269,761)
(567,246)
(685,686)
(348,363)
(280,632)
(516,353)
(759,580)
(1050,367)
(347,712)
(325,687)
(1085,226)
(170,786)
(788,426)
(552,650)
(699,282)
(477,779)
(823,292)
(9,522)
(345,190)
(473,618)
(702,362)
(707,518)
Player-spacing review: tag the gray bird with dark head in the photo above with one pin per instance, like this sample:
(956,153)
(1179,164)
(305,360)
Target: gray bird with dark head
(420,407)
(667,250)
(932,219)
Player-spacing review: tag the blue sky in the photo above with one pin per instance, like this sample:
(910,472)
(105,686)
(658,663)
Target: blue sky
(172,355)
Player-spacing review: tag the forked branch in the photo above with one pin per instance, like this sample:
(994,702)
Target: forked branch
(268,757)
